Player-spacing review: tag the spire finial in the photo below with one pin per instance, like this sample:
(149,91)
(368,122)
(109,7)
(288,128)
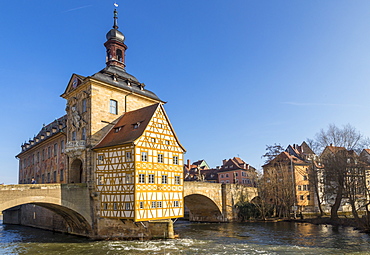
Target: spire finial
(115,25)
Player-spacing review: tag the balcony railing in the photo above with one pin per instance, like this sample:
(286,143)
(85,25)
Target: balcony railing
(75,148)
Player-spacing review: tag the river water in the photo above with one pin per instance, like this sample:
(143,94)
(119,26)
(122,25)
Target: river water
(198,238)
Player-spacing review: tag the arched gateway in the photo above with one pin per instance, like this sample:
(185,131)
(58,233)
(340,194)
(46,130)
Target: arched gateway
(76,172)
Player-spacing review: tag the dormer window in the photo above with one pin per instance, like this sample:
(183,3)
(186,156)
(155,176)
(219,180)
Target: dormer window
(136,125)
(117,129)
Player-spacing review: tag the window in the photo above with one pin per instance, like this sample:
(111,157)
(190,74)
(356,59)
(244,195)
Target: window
(159,204)
(55,176)
(61,175)
(175,160)
(177,180)
(100,180)
(113,106)
(83,137)
(299,187)
(141,178)
(48,177)
(119,55)
(160,158)
(164,179)
(176,204)
(222,176)
(38,157)
(153,204)
(128,156)
(62,146)
(100,159)
(236,174)
(115,207)
(117,129)
(43,178)
(302,197)
(49,152)
(151,178)
(105,206)
(128,178)
(308,197)
(42,155)
(153,140)
(73,136)
(305,177)
(127,206)
(141,205)
(144,156)
(304,187)
(84,105)
(167,142)
(227,175)
(55,149)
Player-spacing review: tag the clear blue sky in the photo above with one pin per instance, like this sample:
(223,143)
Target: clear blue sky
(237,74)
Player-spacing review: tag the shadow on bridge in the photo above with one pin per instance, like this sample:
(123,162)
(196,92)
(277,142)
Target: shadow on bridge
(70,202)
(202,208)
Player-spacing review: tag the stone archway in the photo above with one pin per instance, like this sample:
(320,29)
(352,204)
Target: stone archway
(76,172)
(202,208)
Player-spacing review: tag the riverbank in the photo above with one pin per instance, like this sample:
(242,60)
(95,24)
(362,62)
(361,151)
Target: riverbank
(345,222)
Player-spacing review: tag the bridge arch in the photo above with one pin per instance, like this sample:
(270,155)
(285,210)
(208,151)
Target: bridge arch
(71,202)
(202,208)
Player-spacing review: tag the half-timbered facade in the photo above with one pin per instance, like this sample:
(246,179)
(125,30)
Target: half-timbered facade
(139,167)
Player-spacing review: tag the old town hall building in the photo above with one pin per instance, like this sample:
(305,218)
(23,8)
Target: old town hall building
(116,138)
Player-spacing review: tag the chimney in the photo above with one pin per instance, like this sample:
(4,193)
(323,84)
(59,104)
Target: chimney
(224,162)
(189,164)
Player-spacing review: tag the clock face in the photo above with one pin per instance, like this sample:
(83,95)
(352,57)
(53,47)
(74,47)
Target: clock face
(75,82)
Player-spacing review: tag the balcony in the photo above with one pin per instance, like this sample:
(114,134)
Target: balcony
(75,148)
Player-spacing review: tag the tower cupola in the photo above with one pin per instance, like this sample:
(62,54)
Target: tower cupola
(115,46)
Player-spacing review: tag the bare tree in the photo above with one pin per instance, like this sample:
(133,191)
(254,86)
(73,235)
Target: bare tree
(279,190)
(334,179)
(272,151)
(347,137)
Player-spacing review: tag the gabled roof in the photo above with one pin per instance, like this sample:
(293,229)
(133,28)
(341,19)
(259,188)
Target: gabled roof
(129,127)
(366,150)
(285,157)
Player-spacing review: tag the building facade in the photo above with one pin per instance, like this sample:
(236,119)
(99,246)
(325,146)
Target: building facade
(117,138)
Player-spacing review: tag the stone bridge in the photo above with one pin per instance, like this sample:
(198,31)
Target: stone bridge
(208,202)
(71,201)
(215,202)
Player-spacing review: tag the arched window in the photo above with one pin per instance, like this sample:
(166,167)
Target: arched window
(119,55)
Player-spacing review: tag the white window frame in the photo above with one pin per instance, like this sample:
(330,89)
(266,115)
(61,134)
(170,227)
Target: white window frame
(141,178)
(113,106)
(175,160)
(144,156)
(164,179)
(160,158)
(177,180)
(151,178)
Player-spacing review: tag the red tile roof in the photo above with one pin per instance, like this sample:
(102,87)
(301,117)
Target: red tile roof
(124,131)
